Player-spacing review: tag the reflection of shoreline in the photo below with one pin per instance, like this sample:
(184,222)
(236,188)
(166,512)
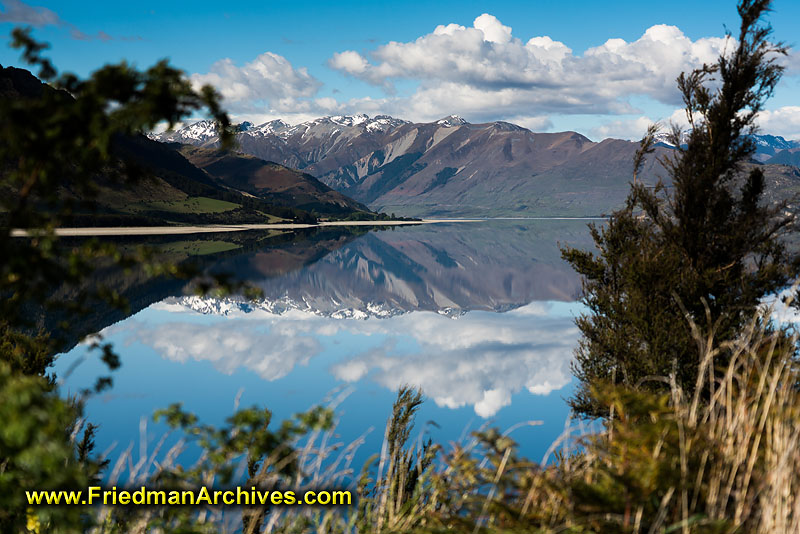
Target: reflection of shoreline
(226,228)
(284,251)
(481,359)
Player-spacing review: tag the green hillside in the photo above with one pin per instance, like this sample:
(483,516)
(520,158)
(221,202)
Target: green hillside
(152,183)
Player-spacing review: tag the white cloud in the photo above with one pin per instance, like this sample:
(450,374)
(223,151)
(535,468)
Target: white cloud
(484,69)
(272,353)
(634,129)
(484,73)
(350,62)
(478,360)
(269,82)
(783,121)
(493,31)
(630,129)
(535,124)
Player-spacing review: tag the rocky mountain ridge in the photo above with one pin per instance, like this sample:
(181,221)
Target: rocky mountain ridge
(451,167)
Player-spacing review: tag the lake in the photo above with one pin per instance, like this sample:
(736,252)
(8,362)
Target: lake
(479,315)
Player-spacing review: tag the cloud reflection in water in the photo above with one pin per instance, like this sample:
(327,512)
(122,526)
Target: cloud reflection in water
(479,359)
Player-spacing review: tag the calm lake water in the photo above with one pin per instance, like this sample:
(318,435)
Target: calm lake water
(479,315)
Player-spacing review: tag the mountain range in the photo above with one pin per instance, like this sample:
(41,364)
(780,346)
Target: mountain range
(451,167)
(176,184)
(346,167)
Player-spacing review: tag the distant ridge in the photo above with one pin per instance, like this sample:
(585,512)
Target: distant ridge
(450,167)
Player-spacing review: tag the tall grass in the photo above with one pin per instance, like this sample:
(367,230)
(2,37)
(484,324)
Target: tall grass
(725,459)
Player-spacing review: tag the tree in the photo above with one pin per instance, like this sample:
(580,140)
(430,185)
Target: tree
(702,248)
(56,140)
(57,137)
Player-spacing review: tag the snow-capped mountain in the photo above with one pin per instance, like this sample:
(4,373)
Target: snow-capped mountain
(350,125)
(769,145)
(383,123)
(299,146)
(197,133)
(383,274)
(451,167)
(452,120)
(275,127)
(766,145)
(663,139)
(205,130)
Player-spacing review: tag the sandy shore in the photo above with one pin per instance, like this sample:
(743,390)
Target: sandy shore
(203,229)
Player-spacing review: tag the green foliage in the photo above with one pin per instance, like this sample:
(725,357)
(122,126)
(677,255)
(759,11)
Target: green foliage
(60,137)
(704,246)
(192,205)
(271,457)
(25,354)
(246,433)
(36,452)
(664,463)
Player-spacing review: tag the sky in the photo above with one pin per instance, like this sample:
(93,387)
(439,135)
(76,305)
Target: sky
(604,69)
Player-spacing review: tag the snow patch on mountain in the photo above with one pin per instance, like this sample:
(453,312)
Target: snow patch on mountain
(199,131)
(663,138)
(383,123)
(275,127)
(349,120)
(452,120)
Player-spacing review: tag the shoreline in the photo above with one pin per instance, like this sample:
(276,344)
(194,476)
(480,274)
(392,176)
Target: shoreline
(212,228)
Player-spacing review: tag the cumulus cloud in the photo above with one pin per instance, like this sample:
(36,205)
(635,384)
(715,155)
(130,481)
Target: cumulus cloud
(634,129)
(783,121)
(533,123)
(630,129)
(350,62)
(485,67)
(483,73)
(269,81)
(493,30)
(271,351)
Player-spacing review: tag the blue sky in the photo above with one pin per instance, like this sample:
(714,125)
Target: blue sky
(579,65)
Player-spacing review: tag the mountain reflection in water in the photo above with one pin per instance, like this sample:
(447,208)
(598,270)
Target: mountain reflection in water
(443,268)
(479,315)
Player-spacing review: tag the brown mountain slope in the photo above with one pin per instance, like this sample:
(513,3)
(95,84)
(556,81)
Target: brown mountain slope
(491,169)
(270,181)
(453,168)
